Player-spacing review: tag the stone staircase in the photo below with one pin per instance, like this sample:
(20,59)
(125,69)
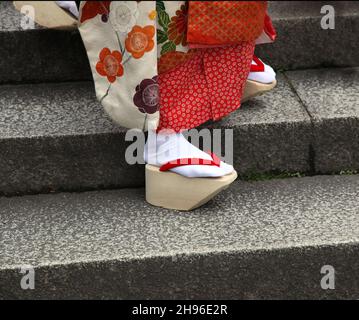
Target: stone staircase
(71,206)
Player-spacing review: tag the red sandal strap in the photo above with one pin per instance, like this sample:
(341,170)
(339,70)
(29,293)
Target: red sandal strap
(258,67)
(191,161)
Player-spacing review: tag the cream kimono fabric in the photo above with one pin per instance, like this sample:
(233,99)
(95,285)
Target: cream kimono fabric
(120,38)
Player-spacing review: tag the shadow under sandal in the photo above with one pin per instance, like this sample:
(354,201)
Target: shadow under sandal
(49,14)
(173,191)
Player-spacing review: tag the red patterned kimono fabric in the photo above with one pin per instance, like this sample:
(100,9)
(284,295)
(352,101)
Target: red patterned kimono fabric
(207,87)
(209,81)
(225,22)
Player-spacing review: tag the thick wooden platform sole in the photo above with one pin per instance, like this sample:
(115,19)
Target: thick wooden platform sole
(49,15)
(173,191)
(254,88)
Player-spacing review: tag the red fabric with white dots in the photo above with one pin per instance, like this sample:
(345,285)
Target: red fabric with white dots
(207,87)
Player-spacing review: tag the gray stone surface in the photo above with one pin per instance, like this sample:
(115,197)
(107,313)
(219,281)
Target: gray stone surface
(332,98)
(303,44)
(52,109)
(48,55)
(57,137)
(9,18)
(39,55)
(255,240)
(301,9)
(272,133)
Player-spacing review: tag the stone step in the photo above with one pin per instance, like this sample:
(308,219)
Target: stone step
(56,137)
(302,43)
(331,97)
(41,55)
(256,240)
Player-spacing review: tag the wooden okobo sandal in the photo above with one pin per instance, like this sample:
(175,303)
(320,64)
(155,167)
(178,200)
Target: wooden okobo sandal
(173,191)
(49,15)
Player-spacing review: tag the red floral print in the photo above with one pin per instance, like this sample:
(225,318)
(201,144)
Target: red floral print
(92,8)
(207,87)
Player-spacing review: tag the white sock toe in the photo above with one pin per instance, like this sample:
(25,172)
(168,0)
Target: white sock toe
(175,146)
(266,76)
(227,168)
(69,6)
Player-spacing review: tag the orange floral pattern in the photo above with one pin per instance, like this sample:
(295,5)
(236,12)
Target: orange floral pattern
(110,64)
(172,36)
(177,29)
(193,85)
(140,40)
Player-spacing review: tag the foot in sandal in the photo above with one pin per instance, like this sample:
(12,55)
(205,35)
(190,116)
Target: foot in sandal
(181,176)
(52,14)
(261,79)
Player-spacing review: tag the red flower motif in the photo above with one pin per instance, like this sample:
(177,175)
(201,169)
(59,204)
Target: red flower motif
(110,64)
(92,8)
(177,29)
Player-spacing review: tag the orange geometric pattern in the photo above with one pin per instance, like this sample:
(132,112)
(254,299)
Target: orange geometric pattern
(225,22)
